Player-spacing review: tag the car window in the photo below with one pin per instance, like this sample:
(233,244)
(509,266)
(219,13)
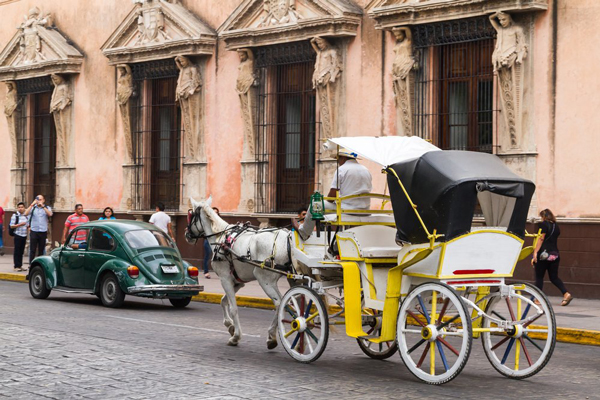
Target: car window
(146,238)
(78,239)
(101,240)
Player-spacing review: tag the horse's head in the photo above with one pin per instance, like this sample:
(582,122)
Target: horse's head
(202,221)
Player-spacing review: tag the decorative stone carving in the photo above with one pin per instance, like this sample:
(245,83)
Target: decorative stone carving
(266,22)
(11,106)
(279,12)
(158,29)
(507,59)
(188,96)
(328,68)
(151,23)
(125,90)
(38,49)
(245,87)
(391,13)
(403,78)
(60,107)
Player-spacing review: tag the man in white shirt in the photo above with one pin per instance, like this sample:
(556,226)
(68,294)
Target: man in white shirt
(162,220)
(351,178)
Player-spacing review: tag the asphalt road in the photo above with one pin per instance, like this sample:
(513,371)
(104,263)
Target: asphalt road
(69,347)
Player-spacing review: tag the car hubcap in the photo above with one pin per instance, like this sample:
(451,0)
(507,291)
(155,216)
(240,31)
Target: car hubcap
(37,283)
(110,291)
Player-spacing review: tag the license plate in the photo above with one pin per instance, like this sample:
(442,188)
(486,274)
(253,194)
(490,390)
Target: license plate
(169,269)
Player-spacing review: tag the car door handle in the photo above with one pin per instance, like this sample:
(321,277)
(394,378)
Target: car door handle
(81,255)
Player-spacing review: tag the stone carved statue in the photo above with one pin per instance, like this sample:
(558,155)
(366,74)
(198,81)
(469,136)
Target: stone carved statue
(30,42)
(404,63)
(245,84)
(279,12)
(11,105)
(60,107)
(328,68)
(507,59)
(151,24)
(188,95)
(125,90)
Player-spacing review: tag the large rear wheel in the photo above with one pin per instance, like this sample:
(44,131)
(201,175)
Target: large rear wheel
(372,326)
(111,293)
(434,333)
(525,347)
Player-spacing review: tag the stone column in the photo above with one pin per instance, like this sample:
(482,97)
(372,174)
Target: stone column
(404,80)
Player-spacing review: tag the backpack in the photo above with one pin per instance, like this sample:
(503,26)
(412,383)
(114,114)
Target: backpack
(11,231)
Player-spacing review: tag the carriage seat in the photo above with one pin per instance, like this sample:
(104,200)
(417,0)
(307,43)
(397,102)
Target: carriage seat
(368,241)
(364,218)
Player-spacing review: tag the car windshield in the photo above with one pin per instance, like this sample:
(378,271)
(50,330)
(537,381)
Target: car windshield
(146,238)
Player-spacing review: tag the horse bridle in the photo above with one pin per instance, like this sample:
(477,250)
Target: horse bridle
(195,216)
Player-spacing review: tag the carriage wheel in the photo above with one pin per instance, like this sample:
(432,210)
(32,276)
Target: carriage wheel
(303,324)
(372,326)
(526,347)
(434,333)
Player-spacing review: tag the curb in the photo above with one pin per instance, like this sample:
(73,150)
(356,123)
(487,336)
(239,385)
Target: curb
(564,335)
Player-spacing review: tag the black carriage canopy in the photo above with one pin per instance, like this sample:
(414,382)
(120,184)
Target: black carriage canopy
(446,186)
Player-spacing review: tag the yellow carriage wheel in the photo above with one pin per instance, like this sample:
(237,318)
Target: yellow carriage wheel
(524,348)
(434,333)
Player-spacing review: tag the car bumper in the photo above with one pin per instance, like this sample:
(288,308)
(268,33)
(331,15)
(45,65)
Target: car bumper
(193,289)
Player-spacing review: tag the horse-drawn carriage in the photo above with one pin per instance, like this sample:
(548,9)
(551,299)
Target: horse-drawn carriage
(422,278)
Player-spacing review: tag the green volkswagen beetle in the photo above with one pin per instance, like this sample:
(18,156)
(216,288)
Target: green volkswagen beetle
(114,258)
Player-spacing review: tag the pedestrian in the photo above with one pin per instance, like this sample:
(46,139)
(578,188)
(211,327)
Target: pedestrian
(208,252)
(162,220)
(108,213)
(39,214)
(19,222)
(546,256)
(73,221)
(1,226)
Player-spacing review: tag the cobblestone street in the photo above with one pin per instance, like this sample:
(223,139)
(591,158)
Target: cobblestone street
(70,347)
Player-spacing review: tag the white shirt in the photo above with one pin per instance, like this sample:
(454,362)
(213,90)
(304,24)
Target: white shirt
(161,220)
(352,178)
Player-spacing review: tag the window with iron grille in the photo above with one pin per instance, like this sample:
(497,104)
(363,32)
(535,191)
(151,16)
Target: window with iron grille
(36,141)
(455,100)
(286,127)
(156,136)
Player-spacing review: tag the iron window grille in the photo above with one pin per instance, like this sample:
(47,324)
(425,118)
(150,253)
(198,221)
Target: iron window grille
(287,130)
(455,95)
(156,136)
(36,141)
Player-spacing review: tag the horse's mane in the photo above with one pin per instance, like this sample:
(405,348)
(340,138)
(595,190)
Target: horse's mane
(217,223)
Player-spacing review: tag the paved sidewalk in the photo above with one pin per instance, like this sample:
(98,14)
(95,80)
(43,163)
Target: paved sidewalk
(581,314)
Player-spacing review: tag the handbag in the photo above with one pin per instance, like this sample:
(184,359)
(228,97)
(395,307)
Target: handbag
(549,255)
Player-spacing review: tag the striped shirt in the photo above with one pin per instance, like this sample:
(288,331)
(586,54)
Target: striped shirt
(19,219)
(73,221)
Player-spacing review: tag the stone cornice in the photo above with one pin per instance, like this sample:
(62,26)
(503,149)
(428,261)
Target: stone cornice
(391,13)
(185,34)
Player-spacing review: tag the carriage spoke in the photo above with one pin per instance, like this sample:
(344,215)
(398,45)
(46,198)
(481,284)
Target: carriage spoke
(308,309)
(443,311)
(290,311)
(451,320)
(293,299)
(532,342)
(500,343)
(312,335)
(510,309)
(525,325)
(445,343)
(423,308)
(432,358)
(293,346)
(525,351)
(301,344)
(302,304)
(507,352)
(422,357)
(287,321)
(499,316)
(415,318)
(441,351)
(433,307)
(310,347)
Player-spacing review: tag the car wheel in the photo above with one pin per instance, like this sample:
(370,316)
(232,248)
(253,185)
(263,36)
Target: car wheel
(110,292)
(37,283)
(180,303)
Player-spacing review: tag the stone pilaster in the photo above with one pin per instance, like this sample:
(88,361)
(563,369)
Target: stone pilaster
(65,189)
(194,178)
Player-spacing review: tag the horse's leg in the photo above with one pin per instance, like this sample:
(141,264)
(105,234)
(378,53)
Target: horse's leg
(230,287)
(268,281)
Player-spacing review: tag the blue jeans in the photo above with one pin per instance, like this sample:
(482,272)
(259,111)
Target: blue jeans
(1,242)
(207,256)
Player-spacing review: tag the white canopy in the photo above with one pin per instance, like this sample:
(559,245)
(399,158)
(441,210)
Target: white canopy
(386,150)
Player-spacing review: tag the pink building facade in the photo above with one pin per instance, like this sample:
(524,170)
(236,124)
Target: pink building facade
(125,104)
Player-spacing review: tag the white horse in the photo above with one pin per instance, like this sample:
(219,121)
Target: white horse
(239,255)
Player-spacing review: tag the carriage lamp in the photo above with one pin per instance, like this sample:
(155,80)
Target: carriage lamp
(317,206)
(193,272)
(133,271)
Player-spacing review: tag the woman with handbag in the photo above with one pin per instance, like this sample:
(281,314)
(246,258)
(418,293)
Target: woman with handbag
(546,256)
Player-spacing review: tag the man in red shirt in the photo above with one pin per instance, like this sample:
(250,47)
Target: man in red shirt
(73,221)
(1,227)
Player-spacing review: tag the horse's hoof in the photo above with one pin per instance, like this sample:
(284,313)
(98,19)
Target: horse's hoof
(271,344)
(231,342)
(231,330)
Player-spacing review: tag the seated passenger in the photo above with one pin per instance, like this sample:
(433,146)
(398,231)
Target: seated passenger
(351,178)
